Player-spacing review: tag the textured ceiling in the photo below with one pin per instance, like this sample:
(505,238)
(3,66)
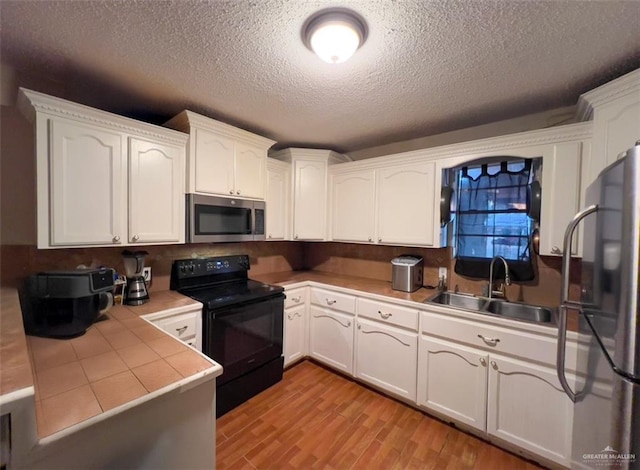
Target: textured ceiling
(427,66)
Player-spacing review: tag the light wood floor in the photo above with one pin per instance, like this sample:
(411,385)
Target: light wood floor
(317,419)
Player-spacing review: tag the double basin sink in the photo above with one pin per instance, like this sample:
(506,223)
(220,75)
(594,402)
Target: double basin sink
(497,307)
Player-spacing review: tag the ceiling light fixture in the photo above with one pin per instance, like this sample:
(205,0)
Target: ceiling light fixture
(334,34)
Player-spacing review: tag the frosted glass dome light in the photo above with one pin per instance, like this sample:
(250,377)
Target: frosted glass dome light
(334,35)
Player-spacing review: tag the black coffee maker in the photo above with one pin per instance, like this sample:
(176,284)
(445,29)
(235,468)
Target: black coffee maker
(136,292)
(63,304)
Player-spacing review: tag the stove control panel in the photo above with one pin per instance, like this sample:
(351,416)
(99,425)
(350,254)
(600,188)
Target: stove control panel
(198,267)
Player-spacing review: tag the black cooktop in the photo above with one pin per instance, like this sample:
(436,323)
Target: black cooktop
(216,296)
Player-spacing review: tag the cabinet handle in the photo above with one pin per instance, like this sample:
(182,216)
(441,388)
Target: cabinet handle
(116,239)
(330,302)
(136,238)
(370,239)
(494,365)
(269,235)
(231,191)
(483,361)
(182,329)
(295,237)
(384,315)
(291,316)
(491,341)
(238,192)
(556,251)
(359,326)
(379,240)
(296,299)
(349,323)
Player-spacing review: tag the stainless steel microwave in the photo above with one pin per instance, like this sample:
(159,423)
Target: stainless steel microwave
(213,219)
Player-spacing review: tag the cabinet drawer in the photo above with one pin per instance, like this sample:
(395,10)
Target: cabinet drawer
(522,344)
(295,297)
(180,326)
(388,313)
(334,300)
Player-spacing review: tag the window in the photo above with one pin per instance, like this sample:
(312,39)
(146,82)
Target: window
(490,217)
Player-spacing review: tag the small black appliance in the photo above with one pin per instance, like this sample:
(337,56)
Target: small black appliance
(63,304)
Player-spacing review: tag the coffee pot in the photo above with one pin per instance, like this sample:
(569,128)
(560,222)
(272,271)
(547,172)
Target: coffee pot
(136,292)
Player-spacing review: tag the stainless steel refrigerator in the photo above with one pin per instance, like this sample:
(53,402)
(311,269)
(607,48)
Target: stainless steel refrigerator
(606,388)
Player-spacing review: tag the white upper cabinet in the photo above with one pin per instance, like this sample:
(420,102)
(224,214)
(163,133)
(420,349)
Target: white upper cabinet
(386,203)
(222,159)
(352,206)
(615,110)
(88,176)
(214,163)
(309,190)
(102,179)
(406,204)
(278,196)
(156,203)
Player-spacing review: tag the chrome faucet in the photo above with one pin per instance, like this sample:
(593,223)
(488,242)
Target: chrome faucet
(507,280)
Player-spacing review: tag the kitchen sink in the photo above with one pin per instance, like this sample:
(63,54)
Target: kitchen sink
(467,301)
(520,311)
(496,307)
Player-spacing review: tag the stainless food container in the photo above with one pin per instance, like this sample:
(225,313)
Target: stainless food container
(406,273)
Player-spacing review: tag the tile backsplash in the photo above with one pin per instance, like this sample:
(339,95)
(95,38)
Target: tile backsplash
(368,261)
(17,262)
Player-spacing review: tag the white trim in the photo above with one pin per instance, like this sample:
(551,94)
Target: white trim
(620,87)
(32,102)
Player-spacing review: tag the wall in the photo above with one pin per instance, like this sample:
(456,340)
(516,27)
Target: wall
(17,179)
(374,262)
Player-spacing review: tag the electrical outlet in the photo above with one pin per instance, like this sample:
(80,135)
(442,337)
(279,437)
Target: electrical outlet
(146,273)
(442,273)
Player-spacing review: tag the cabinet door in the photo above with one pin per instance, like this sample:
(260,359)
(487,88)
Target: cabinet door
(88,182)
(156,194)
(527,407)
(214,169)
(406,210)
(452,381)
(331,338)
(278,181)
(352,207)
(310,194)
(560,197)
(250,170)
(615,130)
(294,334)
(386,357)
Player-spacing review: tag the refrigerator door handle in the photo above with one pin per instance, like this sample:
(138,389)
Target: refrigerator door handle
(565,303)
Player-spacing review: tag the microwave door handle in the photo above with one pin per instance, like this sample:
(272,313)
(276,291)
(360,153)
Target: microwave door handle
(565,304)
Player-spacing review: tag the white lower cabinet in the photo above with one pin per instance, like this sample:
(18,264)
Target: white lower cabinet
(184,325)
(295,326)
(527,407)
(331,338)
(386,357)
(517,400)
(452,381)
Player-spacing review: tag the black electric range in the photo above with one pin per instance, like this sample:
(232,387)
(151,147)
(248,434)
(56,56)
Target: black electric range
(242,324)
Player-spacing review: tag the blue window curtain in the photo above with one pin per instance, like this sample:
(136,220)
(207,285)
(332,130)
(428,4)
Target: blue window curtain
(491,220)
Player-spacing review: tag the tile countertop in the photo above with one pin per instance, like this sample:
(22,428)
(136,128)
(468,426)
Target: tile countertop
(372,286)
(120,361)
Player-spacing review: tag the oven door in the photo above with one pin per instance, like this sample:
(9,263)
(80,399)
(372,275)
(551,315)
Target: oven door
(217,219)
(245,336)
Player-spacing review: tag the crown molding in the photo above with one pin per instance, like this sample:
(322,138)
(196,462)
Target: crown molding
(186,119)
(293,153)
(488,146)
(620,87)
(32,102)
